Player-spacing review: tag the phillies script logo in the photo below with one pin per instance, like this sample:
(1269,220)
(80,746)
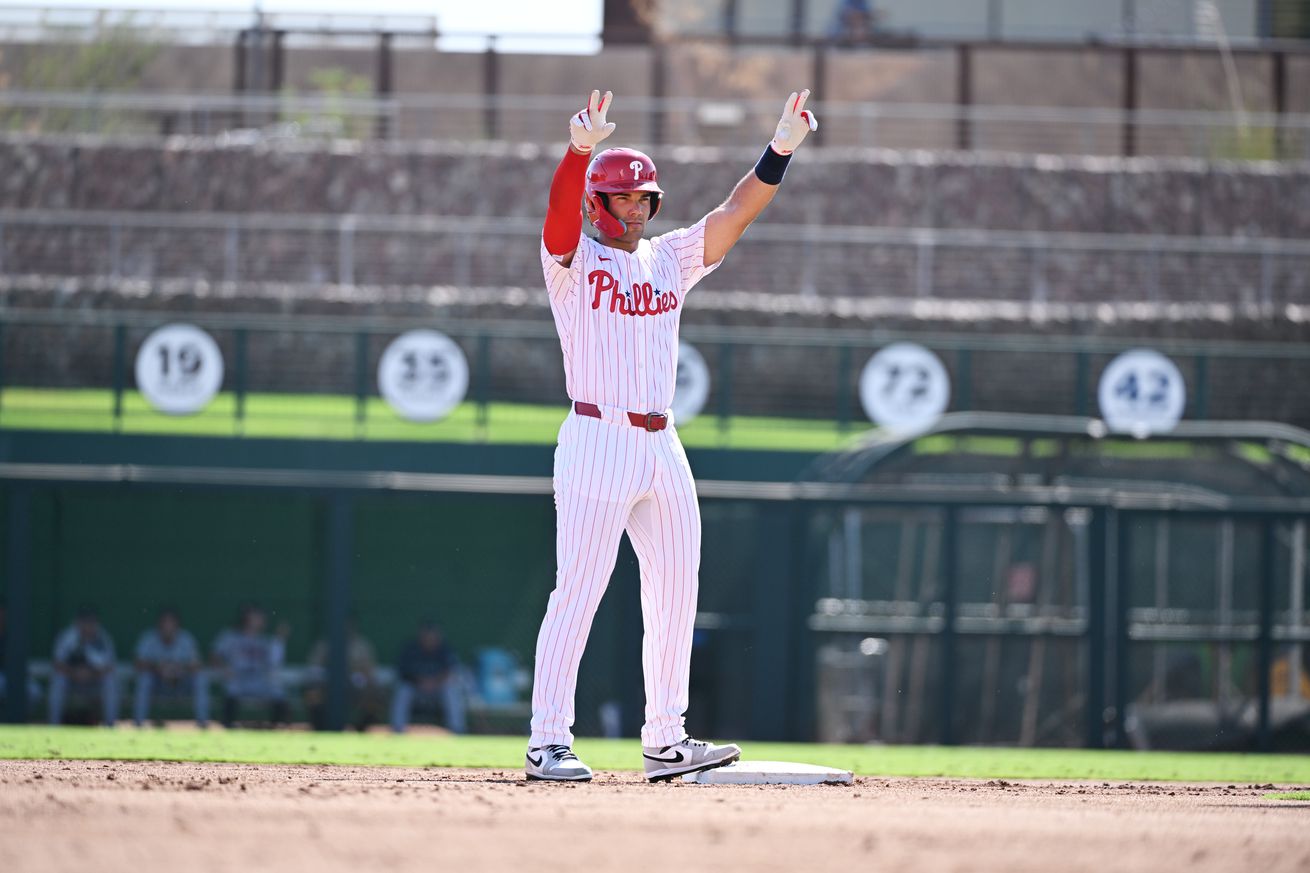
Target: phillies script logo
(642,300)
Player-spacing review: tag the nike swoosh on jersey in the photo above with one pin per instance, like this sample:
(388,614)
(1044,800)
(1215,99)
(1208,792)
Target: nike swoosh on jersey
(677,758)
(536,762)
(599,258)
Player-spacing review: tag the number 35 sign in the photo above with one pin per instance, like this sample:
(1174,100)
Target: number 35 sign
(179,369)
(423,375)
(1141,393)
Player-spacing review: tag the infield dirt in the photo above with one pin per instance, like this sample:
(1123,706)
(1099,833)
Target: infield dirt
(115,816)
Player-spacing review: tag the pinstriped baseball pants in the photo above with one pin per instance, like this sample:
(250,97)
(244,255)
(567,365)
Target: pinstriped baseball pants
(611,478)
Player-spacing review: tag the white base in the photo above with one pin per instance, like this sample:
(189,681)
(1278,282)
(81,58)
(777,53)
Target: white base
(770,773)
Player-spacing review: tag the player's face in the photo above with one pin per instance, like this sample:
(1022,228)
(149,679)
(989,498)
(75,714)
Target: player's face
(633,209)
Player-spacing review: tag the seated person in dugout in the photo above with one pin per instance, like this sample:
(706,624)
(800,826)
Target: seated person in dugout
(364,689)
(85,668)
(428,673)
(168,665)
(247,661)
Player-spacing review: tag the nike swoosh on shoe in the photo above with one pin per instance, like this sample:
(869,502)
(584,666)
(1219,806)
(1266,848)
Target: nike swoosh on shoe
(677,758)
(536,762)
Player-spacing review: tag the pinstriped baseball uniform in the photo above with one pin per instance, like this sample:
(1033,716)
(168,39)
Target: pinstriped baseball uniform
(617,315)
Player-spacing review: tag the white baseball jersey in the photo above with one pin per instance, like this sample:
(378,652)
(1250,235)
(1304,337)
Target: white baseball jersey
(617,314)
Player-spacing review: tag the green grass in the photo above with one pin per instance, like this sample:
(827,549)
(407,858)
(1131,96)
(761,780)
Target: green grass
(327,416)
(1288,795)
(290,747)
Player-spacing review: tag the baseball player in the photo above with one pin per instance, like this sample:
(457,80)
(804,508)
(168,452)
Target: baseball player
(617,300)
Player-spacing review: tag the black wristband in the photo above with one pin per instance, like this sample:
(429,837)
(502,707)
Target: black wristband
(771,166)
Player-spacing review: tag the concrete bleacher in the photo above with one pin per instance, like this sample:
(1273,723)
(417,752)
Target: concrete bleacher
(850,223)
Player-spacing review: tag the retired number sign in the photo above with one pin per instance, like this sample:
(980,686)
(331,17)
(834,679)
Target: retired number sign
(179,369)
(1142,393)
(423,375)
(905,388)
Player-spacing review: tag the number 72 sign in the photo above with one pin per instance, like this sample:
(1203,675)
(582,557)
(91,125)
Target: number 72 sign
(905,388)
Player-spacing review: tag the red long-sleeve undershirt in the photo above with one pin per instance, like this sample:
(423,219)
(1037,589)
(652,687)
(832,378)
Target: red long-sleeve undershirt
(564,212)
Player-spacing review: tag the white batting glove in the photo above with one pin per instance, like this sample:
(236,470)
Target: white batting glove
(588,127)
(795,124)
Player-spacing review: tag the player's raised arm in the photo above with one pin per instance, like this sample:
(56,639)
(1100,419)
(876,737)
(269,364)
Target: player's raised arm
(725,225)
(564,213)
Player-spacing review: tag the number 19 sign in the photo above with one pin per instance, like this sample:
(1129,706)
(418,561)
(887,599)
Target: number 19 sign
(179,369)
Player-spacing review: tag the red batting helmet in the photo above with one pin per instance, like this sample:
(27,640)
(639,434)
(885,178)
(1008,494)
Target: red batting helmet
(612,171)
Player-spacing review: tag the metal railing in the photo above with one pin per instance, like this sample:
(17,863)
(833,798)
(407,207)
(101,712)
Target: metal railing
(1248,22)
(315,375)
(809,260)
(682,120)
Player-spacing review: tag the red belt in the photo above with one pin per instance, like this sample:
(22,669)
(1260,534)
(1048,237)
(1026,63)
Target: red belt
(646,420)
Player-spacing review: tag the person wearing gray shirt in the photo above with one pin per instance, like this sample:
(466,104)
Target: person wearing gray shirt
(85,665)
(168,664)
(248,660)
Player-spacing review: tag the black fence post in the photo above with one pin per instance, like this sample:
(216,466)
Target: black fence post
(1081,376)
(771,624)
(1098,581)
(1265,641)
(361,383)
(483,383)
(1129,132)
(490,89)
(239,382)
(2,364)
(278,64)
(820,74)
(950,593)
(725,391)
(800,597)
(340,549)
(844,388)
(1201,409)
(963,96)
(120,363)
(383,85)
(239,80)
(1278,83)
(963,380)
(18,617)
(1123,543)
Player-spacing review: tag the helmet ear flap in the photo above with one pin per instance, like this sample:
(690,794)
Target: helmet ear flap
(597,206)
(655,200)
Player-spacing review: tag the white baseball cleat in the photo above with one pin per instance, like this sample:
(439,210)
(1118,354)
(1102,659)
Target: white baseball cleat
(688,756)
(555,763)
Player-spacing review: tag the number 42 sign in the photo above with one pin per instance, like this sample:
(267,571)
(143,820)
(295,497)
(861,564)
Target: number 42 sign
(1141,393)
